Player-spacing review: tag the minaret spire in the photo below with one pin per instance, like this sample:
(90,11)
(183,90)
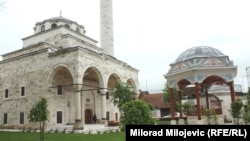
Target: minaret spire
(106,27)
(60,13)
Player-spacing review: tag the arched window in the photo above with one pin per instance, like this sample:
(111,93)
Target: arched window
(42,28)
(53,25)
(77,29)
(66,25)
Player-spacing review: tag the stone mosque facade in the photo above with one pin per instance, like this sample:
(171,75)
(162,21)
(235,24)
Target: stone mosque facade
(62,64)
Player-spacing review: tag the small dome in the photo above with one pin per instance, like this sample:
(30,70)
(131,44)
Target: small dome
(199,51)
(58,21)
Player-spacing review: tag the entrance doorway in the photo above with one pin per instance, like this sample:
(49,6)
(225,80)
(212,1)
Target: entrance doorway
(88,116)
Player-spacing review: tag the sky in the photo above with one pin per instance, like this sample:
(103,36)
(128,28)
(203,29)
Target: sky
(149,35)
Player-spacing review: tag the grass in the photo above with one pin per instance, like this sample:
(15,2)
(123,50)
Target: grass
(27,136)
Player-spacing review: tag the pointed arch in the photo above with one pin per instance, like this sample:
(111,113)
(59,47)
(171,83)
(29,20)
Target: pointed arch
(112,80)
(60,69)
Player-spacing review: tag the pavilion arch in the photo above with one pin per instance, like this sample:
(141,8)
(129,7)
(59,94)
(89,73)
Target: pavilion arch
(183,83)
(213,80)
(92,84)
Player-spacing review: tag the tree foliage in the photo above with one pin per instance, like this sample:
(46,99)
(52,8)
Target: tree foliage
(246,115)
(186,107)
(236,110)
(39,113)
(136,112)
(167,96)
(210,115)
(122,94)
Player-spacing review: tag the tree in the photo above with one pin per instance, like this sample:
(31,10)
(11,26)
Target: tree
(122,94)
(210,114)
(186,107)
(136,112)
(39,113)
(246,115)
(236,107)
(167,96)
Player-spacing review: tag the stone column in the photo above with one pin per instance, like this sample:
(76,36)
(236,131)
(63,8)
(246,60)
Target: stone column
(78,117)
(104,106)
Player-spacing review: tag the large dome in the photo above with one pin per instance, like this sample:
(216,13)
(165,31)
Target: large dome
(199,51)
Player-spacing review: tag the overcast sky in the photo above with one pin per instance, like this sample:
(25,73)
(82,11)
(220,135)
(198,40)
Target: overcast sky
(148,34)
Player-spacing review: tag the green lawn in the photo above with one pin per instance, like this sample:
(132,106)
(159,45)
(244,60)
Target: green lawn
(24,136)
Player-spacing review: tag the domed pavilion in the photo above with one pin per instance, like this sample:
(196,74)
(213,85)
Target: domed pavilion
(200,67)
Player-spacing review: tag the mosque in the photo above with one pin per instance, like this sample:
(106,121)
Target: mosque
(62,64)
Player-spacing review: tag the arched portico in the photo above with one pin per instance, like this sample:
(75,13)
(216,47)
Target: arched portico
(61,90)
(113,111)
(92,95)
(131,82)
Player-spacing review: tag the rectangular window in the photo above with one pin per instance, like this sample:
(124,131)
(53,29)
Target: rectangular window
(107,114)
(6,93)
(87,100)
(22,91)
(59,117)
(59,89)
(107,95)
(5,118)
(21,119)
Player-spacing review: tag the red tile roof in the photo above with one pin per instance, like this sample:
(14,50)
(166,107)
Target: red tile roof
(156,99)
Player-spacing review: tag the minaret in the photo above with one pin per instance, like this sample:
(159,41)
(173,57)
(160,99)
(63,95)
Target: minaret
(106,27)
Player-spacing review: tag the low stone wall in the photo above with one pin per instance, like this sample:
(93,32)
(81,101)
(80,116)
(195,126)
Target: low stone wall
(59,129)
(88,129)
(204,120)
